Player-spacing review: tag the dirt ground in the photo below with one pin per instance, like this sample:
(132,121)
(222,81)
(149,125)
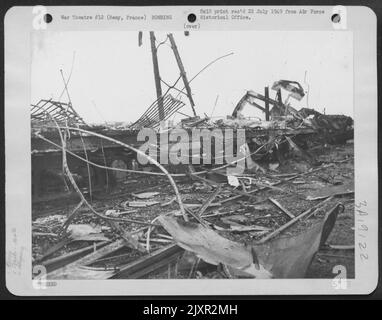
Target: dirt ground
(292,195)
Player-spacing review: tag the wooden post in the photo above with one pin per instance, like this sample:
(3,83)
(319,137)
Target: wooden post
(279,98)
(156,75)
(266,94)
(182,71)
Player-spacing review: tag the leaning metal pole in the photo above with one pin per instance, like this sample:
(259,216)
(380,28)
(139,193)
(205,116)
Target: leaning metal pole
(182,71)
(157,76)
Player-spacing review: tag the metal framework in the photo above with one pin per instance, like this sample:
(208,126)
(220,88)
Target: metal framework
(61,112)
(151,117)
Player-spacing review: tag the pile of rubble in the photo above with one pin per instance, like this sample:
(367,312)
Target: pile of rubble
(256,225)
(270,221)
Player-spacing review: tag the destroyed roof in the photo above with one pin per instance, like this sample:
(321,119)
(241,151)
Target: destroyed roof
(151,116)
(46,110)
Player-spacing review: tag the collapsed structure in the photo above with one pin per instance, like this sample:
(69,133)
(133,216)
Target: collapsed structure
(74,160)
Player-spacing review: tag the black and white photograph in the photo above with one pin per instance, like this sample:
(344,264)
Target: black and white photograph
(101,210)
(160,153)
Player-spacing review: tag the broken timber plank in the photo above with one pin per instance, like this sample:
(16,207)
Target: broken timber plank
(277,183)
(216,184)
(209,201)
(266,94)
(195,215)
(148,264)
(278,205)
(293,221)
(74,271)
(65,259)
(325,192)
(342,246)
(54,248)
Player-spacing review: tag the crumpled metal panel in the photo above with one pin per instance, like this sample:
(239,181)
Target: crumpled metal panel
(293,87)
(281,257)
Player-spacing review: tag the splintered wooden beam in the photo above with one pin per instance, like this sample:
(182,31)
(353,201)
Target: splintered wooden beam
(70,257)
(54,248)
(266,94)
(305,214)
(278,205)
(209,201)
(145,265)
(257,106)
(213,183)
(279,97)
(74,271)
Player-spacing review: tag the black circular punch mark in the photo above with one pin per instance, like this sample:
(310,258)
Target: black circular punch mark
(48,18)
(336,18)
(191,18)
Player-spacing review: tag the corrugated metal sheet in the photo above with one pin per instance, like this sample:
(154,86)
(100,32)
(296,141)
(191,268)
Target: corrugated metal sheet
(151,117)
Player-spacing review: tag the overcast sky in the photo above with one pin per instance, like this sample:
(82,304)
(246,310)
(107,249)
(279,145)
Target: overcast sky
(113,73)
